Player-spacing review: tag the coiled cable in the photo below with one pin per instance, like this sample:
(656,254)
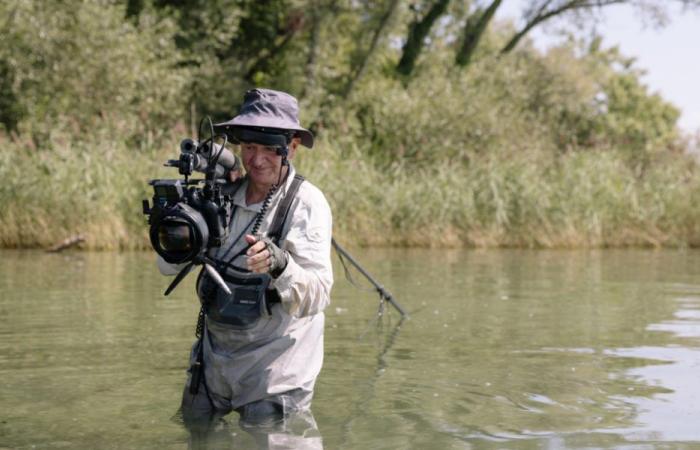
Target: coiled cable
(263,210)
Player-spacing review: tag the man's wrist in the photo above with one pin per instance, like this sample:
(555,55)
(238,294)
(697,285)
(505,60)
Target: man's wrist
(278,258)
(279,268)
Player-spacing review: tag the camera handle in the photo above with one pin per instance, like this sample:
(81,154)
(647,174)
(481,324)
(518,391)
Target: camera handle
(216,277)
(208,266)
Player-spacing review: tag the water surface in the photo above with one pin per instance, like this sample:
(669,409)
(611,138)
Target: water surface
(504,349)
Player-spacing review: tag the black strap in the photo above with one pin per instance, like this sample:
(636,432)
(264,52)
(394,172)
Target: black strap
(272,297)
(275,232)
(278,222)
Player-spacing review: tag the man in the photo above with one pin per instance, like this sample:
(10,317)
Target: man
(262,359)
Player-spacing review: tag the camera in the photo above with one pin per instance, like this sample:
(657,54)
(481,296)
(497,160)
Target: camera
(189,216)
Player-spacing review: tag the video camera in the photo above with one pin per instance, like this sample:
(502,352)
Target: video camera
(187,219)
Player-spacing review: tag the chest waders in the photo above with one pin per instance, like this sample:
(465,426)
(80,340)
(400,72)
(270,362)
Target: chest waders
(250,298)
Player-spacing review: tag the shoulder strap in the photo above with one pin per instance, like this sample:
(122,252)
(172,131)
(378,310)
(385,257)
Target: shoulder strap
(282,212)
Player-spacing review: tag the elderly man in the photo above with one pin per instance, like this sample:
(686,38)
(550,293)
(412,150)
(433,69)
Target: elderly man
(262,345)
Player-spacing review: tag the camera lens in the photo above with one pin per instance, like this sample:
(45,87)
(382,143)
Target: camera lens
(175,236)
(178,233)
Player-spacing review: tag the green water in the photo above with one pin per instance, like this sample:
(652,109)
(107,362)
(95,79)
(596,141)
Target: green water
(504,349)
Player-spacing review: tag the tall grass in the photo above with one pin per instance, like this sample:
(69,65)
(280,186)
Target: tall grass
(95,186)
(91,187)
(577,200)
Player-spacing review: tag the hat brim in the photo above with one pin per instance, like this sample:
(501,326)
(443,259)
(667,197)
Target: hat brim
(249,120)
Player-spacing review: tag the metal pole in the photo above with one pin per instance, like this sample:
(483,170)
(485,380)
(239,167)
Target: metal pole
(382,292)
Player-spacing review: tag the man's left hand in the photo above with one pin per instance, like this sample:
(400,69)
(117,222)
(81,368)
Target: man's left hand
(265,257)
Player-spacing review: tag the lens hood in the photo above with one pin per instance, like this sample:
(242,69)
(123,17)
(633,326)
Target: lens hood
(179,233)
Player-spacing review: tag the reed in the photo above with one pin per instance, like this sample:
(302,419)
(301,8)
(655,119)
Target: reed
(94,186)
(586,199)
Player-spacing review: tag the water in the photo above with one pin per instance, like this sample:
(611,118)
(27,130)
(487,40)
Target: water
(504,349)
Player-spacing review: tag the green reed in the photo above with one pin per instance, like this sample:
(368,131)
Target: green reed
(94,187)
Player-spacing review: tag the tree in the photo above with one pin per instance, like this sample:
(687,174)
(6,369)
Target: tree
(473,31)
(543,10)
(540,11)
(418,31)
(361,66)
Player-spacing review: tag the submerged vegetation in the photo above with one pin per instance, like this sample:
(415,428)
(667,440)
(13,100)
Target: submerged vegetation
(559,149)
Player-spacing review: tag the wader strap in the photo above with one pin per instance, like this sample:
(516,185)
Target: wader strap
(278,222)
(197,369)
(282,212)
(272,297)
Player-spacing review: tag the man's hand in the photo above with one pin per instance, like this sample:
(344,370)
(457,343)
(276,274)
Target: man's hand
(233,175)
(265,257)
(235,172)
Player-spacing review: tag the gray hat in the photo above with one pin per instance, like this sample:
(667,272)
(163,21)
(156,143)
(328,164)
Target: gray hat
(265,108)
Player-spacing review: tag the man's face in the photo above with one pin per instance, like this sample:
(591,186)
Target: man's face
(262,163)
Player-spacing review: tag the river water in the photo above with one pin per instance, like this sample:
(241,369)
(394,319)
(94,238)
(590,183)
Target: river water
(503,349)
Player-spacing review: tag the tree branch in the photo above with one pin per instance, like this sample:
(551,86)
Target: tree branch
(314,36)
(362,67)
(543,15)
(419,30)
(295,23)
(473,31)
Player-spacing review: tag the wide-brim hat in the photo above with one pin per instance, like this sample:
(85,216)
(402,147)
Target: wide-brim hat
(268,109)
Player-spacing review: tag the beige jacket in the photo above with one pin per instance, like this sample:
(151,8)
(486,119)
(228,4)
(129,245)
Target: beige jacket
(284,351)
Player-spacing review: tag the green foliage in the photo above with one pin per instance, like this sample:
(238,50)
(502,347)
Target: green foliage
(90,186)
(566,148)
(620,111)
(74,64)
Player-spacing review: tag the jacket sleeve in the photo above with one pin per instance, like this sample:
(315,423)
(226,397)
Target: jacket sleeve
(305,285)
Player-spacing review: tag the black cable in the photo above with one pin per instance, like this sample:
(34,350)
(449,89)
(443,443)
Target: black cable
(268,199)
(199,130)
(238,238)
(213,160)
(263,209)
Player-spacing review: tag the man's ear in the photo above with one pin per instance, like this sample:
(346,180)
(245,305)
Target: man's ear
(293,147)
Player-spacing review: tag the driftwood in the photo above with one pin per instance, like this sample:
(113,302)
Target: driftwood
(66,243)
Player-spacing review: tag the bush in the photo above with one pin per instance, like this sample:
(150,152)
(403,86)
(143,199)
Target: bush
(74,65)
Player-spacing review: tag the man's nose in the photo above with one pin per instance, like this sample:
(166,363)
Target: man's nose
(257,158)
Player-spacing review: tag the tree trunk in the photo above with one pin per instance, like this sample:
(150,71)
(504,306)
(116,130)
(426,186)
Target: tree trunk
(517,37)
(263,60)
(362,66)
(473,31)
(310,69)
(416,37)
(133,9)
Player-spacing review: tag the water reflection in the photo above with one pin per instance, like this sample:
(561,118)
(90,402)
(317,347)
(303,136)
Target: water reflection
(671,413)
(296,431)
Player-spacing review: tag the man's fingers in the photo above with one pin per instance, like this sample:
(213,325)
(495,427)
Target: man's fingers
(261,267)
(259,262)
(259,257)
(256,248)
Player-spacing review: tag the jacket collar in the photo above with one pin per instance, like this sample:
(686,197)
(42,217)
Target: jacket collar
(239,196)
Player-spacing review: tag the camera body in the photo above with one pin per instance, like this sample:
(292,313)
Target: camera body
(190,216)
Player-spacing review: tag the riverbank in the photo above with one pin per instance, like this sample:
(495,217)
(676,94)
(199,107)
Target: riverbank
(532,200)
(563,148)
